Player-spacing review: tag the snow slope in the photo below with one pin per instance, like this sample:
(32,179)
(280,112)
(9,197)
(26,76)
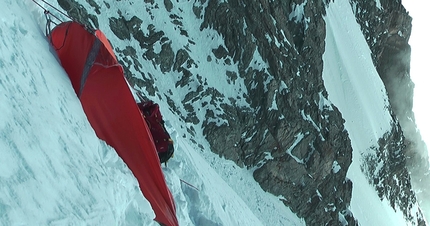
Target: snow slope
(55,171)
(354,87)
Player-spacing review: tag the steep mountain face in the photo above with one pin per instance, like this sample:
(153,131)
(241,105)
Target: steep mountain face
(291,134)
(273,116)
(387,29)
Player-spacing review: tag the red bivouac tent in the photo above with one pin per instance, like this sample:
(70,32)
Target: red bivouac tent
(99,82)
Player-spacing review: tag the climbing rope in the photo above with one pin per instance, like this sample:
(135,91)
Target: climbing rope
(48,13)
(53,7)
(48,23)
(48,16)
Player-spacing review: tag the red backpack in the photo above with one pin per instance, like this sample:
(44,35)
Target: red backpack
(163,142)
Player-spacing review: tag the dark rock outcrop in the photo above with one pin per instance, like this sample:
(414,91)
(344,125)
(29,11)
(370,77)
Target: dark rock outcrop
(303,139)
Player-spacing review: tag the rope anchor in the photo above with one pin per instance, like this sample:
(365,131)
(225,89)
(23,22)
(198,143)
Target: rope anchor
(46,11)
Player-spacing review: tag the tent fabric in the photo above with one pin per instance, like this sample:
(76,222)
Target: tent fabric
(98,80)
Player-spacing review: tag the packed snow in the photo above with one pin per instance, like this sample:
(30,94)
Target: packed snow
(55,171)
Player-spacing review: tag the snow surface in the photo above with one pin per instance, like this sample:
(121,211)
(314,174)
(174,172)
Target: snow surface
(55,171)
(353,85)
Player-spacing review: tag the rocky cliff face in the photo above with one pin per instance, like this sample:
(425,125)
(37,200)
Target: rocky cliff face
(278,122)
(294,145)
(387,30)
